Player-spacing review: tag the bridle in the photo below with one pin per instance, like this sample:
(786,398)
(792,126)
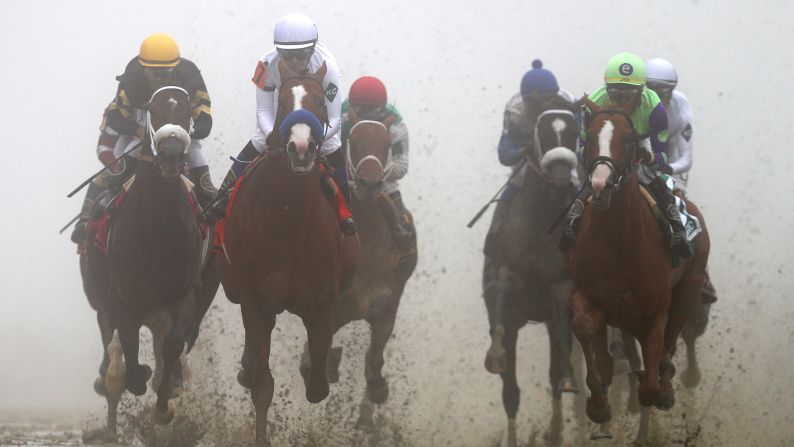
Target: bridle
(176,129)
(351,169)
(621,173)
(323,108)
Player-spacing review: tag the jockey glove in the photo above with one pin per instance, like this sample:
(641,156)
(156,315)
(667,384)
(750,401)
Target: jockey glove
(201,127)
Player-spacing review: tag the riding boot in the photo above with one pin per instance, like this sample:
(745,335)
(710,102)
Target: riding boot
(402,224)
(79,232)
(571,227)
(244,158)
(666,201)
(203,188)
(342,194)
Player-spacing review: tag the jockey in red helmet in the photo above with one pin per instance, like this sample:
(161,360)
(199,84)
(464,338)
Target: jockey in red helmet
(368,100)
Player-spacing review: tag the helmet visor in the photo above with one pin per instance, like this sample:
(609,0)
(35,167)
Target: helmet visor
(368,112)
(159,76)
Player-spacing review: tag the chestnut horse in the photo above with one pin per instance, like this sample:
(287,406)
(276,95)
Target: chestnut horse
(623,268)
(284,249)
(380,279)
(152,271)
(531,277)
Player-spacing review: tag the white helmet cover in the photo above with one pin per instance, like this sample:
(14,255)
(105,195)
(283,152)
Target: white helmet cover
(295,31)
(661,70)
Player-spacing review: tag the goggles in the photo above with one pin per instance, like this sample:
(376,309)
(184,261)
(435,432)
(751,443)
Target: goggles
(298,54)
(621,93)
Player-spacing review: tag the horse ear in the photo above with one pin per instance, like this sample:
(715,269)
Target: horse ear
(352,115)
(284,71)
(590,105)
(320,73)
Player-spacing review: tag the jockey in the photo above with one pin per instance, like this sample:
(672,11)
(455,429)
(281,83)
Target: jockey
(124,121)
(625,78)
(662,79)
(295,39)
(539,92)
(368,101)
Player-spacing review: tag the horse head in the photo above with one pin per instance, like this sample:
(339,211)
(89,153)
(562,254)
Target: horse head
(169,121)
(300,91)
(556,137)
(368,157)
(612,150)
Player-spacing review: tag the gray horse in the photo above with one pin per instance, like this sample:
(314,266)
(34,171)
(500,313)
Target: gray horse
(527,277)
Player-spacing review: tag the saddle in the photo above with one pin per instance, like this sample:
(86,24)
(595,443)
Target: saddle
(107,206)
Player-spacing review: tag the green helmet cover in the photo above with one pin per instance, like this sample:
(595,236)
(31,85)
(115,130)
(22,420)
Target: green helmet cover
(625,68)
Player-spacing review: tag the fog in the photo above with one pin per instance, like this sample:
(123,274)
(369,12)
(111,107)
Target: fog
(449,67)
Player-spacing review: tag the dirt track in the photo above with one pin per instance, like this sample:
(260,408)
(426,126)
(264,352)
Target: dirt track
(450,68)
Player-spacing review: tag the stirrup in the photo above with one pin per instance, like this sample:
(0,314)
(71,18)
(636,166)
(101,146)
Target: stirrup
(348,227)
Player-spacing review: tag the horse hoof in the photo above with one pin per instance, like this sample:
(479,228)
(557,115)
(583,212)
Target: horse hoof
(317,395)
(162,417)
(495,363)
(665,400)
(99,386)
(377,391)
(601,431)
(567,385)
(598,415)
(137,378)
(691,377)
(244,378)
(332,366)
(100,436)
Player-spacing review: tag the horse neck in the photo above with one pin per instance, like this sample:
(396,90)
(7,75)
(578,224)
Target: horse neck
(280,188)
(623,218)
(157,193)
(540,193)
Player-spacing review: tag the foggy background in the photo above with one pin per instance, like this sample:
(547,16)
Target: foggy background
(450,67)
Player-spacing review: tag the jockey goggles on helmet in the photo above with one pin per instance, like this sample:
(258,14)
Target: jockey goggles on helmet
(621,93)
(662,88)
(368,112)
(158,76)
(539,98)
(296,54)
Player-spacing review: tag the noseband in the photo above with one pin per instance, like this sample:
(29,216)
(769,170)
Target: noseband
(622,174)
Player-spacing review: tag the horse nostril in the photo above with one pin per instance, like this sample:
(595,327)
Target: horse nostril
(291,147)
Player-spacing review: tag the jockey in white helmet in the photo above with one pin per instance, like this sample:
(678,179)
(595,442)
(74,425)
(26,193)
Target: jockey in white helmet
(662,79)
(295,38)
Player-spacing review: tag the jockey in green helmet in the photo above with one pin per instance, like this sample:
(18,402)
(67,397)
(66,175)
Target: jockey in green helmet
(624,78)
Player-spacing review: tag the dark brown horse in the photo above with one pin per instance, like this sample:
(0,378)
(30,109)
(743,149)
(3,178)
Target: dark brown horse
(152,272)
(384,269)
(528,278)
(623,268)
(284,249)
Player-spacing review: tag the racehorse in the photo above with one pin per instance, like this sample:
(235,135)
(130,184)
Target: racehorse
(528,278)
(383,268)
(623,268)
(283,246)
(151,273)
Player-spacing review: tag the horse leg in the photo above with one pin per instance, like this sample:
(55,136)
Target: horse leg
(693,329)
(685,298)
(320,334)
(381,316)
(589,326)
(181,320)
(496,301)
(635,363)
(136,375)
(110,382)
(258,323)
(159,325)
(560,340)
(652,345)
(511,394)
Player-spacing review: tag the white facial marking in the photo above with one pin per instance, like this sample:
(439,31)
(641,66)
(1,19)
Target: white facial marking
(300,136)
(602,171)
(558,126)
(298,92)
